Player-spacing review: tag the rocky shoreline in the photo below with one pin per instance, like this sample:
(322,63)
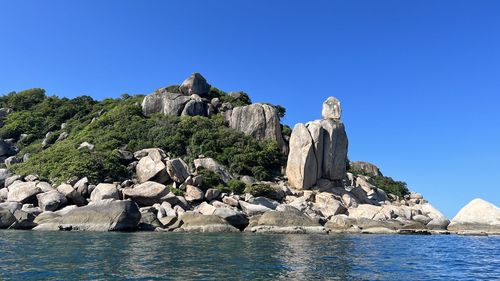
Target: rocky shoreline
(316,193)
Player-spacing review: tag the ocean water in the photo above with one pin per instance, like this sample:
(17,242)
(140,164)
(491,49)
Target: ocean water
(29,255)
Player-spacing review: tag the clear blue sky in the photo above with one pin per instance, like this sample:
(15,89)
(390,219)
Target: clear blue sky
(419,80)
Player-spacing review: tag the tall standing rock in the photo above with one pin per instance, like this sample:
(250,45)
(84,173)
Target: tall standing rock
(334,149)
(302,166)
(258,120)
(195,85)
(318,150)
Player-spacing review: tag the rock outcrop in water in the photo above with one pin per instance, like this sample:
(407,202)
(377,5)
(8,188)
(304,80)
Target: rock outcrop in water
(166,190)
(477,217)
(318,149)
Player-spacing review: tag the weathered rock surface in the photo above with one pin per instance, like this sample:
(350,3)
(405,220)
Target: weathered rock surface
(211,164)
(253,209)
(146,194)
(51,201)
(23,192)
(302,164)
(477,216)
(164,102)
(331,109)
(104,191)
(193,193)
(366,167)
(73,194)
(105,215)
(286,220)
(260,121)
(152,168)
(194,222)
(195,84)
(317,150)
(177,170)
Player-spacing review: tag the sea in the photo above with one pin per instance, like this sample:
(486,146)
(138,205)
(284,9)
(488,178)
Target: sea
(31,255)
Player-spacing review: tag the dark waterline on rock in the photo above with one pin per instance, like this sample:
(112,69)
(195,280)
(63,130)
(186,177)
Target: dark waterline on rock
(28,255)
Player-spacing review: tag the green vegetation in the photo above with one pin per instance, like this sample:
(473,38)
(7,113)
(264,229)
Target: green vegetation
(114,124)
(236,186)
(261,189)
(388,184)
(210,179)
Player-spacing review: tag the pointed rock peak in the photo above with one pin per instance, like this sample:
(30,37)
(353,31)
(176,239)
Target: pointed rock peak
(195,84)
(331,109)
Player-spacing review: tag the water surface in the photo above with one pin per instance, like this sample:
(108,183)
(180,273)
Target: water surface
(29,255)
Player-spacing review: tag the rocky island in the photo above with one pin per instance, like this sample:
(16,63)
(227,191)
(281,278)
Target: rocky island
(192,158)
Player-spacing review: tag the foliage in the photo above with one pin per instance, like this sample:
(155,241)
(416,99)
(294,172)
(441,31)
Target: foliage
(173,89)
(210,179)
(119,123)
(286,130)
(389,185)
(236,186)
(176,191)
(236,99)
(262,189)
(23,100)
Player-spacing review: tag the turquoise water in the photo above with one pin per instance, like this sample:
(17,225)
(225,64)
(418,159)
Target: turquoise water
(28,255)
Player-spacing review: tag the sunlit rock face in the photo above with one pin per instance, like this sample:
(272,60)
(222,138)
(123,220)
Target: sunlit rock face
(318,149)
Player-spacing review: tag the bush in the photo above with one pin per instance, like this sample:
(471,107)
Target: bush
(176,191)
(210,179)
(114,124)
(236,186)
(389,185)
(264,190)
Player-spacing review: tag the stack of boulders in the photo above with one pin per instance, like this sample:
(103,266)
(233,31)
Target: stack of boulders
(318,149)
(258,120)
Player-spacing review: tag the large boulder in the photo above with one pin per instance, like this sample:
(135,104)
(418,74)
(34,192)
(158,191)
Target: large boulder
(253,209)
(104,191)
(193,193)
(51,201)
(195,222)
(164,102)
(331,109)
(73,194)
(286,220)
(318,150)
(195,85)
(195,108)
(329,205)
(106,215)
(212,165)
(302,165)
(152,168)
(7,218)
(334,149)
(258,120)
(477,216)
(177,170)
(366,167)
(146,194)
(23,192)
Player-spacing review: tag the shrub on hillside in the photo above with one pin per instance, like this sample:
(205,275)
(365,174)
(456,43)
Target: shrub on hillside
(119,123)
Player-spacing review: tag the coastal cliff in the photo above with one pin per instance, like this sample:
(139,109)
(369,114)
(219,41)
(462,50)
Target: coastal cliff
(192,158)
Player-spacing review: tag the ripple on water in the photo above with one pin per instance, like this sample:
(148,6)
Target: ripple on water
(180,256)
